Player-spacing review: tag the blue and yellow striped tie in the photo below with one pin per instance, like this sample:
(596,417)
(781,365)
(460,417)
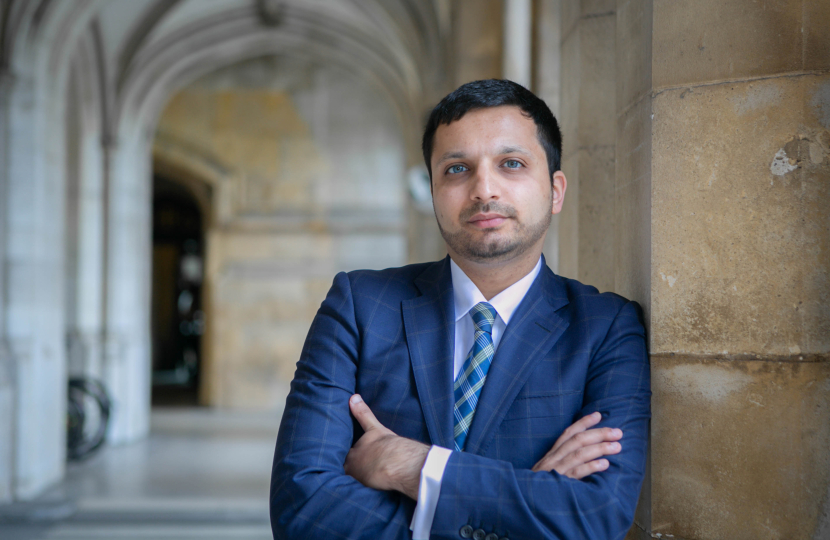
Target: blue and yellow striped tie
(470,380)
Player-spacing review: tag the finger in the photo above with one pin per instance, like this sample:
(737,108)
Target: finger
(577,427)
(575,453)
(587,438)
(588,469)
(363,413)
(586,455)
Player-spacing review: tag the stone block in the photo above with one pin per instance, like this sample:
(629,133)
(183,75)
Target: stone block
(632,206)
(597,105)
(568,220)
(633,52)
(697,41)
(741,234)
(577,11)
(596,217)
(571,13)
(739,448)
(571,88)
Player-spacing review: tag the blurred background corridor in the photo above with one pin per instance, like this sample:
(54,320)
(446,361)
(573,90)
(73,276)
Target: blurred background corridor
(182,179)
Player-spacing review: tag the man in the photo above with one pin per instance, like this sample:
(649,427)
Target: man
(489,398)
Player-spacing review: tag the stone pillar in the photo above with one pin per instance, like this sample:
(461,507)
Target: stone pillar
(518,33)
(85,227)
(7,376)
(547,85)
(723,130)
(126,356)
(33,268)
(586,223)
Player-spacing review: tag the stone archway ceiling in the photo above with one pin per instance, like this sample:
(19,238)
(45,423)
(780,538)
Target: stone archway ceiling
(397,44)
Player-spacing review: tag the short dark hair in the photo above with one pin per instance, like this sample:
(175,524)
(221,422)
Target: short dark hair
(495,93)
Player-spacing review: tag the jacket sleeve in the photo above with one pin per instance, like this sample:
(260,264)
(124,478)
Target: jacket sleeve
(311,495)
(519,504)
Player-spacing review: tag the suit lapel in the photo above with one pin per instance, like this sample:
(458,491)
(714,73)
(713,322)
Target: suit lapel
(429,323)
(533,330)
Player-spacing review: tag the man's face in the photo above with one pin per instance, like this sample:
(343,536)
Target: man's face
(492,192)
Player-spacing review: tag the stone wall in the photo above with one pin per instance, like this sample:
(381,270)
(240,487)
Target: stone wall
(586,225)
(722,191)
(311,182)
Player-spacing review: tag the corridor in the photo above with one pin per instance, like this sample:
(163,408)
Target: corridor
(201,474)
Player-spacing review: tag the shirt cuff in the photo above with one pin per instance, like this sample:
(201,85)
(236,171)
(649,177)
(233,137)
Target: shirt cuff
(428,491)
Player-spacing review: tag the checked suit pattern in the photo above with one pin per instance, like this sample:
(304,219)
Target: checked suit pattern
(470,380)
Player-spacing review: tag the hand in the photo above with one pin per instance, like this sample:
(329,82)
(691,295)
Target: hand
(575,452)
(382,460)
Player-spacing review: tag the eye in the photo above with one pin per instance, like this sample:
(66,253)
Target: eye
(512,164)
(455,169)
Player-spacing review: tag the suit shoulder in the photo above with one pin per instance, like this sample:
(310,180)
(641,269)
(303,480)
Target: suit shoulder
(363,281)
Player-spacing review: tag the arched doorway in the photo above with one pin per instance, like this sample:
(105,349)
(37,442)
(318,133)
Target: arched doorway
(178,317)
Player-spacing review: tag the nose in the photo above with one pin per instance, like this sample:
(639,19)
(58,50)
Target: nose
(485,186)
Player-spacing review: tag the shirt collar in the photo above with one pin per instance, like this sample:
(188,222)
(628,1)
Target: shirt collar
(466,294)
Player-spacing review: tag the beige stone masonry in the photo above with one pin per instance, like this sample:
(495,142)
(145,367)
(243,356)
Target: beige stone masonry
(739,446)
(741,233)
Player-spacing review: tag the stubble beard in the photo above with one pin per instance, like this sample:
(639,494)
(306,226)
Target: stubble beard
(498,248)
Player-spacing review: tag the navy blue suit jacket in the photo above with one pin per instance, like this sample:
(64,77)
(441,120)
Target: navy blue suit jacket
(389,335)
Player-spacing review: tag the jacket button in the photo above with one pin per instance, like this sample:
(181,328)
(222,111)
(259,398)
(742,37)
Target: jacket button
(478,534)
(466,531)
(491,536)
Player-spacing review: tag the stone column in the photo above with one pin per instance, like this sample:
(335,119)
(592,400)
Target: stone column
(33,268)
(85,226)
(547,85)
(7,375)
(723,130)
(126,356)
(518,33)
(586,224)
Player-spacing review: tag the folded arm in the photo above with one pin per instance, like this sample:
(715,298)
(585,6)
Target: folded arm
(586,485)
(520,503)
(311,495)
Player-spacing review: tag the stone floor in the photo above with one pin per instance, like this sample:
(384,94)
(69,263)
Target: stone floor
(201,474)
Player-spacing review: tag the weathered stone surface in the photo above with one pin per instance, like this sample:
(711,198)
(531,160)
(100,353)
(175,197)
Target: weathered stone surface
(632,206)
(633,52)
(713,40)
(741,232)
(596,217)
(596,81)
(586,236)
(568,220)
(739,448)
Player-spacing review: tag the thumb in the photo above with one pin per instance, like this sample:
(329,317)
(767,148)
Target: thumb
(363,413)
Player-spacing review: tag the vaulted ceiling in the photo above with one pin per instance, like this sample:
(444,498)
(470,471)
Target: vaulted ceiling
(146,49)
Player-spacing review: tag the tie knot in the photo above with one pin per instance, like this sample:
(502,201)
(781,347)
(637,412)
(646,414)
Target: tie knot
(483,315)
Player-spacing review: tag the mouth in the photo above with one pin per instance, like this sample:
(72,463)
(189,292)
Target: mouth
(487,220)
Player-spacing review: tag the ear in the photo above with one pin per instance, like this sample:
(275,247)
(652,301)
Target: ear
(559,184)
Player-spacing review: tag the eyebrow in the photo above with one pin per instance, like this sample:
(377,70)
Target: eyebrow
(452,155)
(514,150)
(504,150)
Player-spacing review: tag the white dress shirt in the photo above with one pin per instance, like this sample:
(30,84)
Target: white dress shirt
(465,295)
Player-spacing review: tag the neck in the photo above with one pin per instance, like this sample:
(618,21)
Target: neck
(491,278)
